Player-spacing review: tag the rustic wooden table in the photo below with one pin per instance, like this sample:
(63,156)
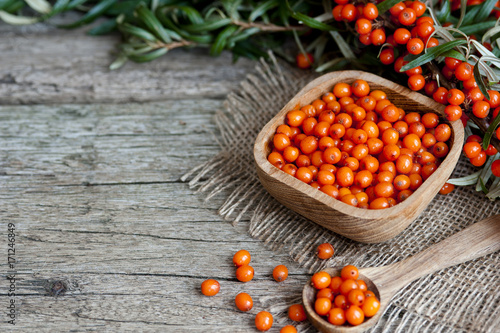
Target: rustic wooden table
(107,237)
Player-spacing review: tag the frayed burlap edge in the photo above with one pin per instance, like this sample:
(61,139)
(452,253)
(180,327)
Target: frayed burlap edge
(463,298)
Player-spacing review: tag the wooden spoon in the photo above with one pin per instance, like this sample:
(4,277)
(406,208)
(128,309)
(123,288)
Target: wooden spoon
(473,242)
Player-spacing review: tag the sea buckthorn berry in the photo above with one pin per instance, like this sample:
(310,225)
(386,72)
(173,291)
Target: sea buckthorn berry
(356,297)
(330,190)
(479,160)
(349,272)
(491,150)
(363,178)
(463,71)
(349,199)
(404,164)
(390,136)
(378,37)
(276,159)
(327,116)
(472,149)
(425,30)
(335,283)
(304,174)
(295,118)
(371,306)
(391,152)
(321,129)
(430,88)
(430,120)
(321,280)
(241,258)
(412,142)
(325,178)
(452,63)
(322,306)
(390,113)
(303,161)
(416,82)
(280,273)
(428,170)
(495,168)
(325,251)
(347,286)
(494,98)
(362,285)
(360,88)
(263,321)
(304,61)
(379,203)
(345,177)
(418,7)
(481,109)
(290,154)
(370,11)
(281,141)
(442,132)
(343,119)
(290,169)
(288,329)
(354,315)
(284,129)
(378,95)
(455,97)
(447,188)
(475,95)
(336,316)
(244,302)
(407,16)
(470,83)
(417,128)
(453,112)
(349,12)
(325,293)
(296,312)
(415,46)
(384,190)
(244,273)
(385,176)
(319,105)
(402,182)
(387,56)
(363,26)
(440,95)
(431,42)
(414,71)
(210,287)
(309,144)
(328,97)
(340,301)
(337,12)
(402,35)
(397,9)
(365,39)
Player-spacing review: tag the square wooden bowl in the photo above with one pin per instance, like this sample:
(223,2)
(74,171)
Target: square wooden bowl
(363,225)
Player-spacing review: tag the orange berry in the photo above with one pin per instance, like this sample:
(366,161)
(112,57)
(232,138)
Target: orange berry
(241,258)
(354,315)
(210,287)
(304,60)
(325,251)
(243,302)
(322,306)
(263,321)
(280,273)
(321,280)
(288,329)
(371,306)
(336,316)
(296,312)
(244,273)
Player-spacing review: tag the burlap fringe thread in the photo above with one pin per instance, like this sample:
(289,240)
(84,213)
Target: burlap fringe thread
(464,298)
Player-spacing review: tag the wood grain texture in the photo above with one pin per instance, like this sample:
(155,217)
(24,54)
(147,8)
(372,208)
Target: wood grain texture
(482,238)
(92,183)
(370,226)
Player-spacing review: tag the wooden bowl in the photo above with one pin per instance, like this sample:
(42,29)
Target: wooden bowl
(363,225)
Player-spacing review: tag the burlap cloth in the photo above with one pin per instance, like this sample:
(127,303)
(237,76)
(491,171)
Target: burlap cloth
(463,298)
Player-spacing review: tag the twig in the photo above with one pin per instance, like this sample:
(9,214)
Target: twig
(268,27)
(436,73)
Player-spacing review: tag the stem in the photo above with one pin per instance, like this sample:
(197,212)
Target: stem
(436,73)
(174,45)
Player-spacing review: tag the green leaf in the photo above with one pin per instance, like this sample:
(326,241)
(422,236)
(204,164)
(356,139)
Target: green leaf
(466,180)
(470,15)
(192,14)
(386,5)
(221,40)
(153,23)
(432,53)
(262,9)
(104,28)
(119,62)
(247,49)
(122,7)
(40,6)
(491,129)
(484,12)
(343,46)
(444,12)
(483,187)
(4,4)
(15,19)
(247,33)
(96,11)
(202,39)
(138,32)
(312,23)
(453,54)
(477,28)
(75,3)
(148,56)
(493,34)
(463,9)
(480,82)
(208,25)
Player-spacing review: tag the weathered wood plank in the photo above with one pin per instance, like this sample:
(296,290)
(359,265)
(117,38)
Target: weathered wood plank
(70,67)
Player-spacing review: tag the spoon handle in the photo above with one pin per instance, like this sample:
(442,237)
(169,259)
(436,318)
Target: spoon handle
(473,242)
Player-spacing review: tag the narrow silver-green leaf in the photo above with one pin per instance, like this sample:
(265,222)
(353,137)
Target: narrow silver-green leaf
(431,54)
(262,9)
(153,24)
(466,180)
(104,28)
(40,6)
(493,34)
(453,54)
(209,25)
(477,28)
(312,23)
(479,81)
(119,62)
(463,9)
(489,133)
(343,46)
(148,56)
(221,40)
(485,11)
(138,32)
(470,15)
(15,19)
(95,12)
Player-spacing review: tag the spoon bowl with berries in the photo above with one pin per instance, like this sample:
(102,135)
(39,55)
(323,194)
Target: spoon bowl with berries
(351,300)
